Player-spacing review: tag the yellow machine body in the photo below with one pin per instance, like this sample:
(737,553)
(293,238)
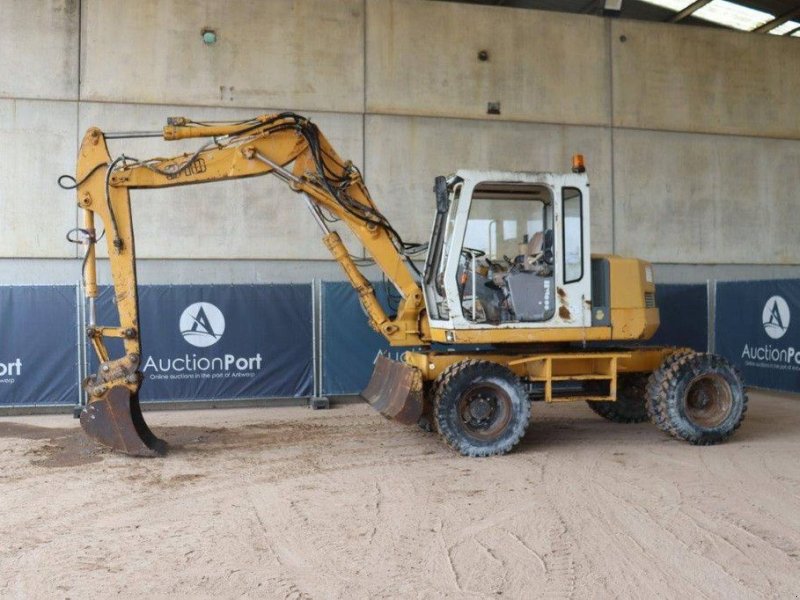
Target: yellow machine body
(291,148)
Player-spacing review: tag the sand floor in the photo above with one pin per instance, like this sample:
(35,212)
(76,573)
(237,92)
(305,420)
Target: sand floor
(290,503)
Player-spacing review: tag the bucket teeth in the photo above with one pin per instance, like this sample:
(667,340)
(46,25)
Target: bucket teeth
(395,391)
(116,421)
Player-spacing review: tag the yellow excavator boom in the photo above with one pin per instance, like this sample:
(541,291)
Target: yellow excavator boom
(285,145)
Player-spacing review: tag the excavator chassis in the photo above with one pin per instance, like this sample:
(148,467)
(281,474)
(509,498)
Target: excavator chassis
(478,401)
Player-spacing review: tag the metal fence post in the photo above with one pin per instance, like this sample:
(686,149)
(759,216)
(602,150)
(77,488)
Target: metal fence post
(318,400)
(711,296)
(314,338)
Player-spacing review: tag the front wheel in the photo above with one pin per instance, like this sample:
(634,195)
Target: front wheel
(426,421)
(481,408)
(697,397)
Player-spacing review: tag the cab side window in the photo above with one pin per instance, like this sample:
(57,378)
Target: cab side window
(572,204)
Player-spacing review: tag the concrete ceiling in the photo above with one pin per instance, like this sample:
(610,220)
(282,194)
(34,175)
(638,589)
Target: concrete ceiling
(784,10)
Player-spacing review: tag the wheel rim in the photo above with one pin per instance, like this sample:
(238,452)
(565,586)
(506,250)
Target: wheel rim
(484,411)
(708,400)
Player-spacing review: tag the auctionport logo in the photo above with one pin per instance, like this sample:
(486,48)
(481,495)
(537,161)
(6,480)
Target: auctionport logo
(9,371)
(775,317)
(202,324)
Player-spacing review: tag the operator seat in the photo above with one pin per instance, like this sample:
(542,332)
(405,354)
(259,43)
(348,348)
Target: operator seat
(535,246)
(531,287)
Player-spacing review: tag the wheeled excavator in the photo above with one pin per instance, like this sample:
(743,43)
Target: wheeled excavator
(511,305)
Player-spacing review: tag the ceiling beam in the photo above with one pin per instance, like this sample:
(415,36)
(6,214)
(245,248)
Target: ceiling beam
(778,21)
(613,7)
(590,7)
(689,10)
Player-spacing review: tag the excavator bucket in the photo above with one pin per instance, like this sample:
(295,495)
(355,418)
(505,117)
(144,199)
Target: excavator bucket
(117,422)
(395,391)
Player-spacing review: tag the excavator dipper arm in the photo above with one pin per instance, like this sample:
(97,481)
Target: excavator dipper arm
(287,146)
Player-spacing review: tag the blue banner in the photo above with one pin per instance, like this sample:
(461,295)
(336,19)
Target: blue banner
(349,345)
(683,309)
(221,341)
(38,345)
(758,329)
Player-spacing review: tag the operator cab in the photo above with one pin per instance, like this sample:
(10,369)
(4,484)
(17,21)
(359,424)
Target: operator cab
(510,250)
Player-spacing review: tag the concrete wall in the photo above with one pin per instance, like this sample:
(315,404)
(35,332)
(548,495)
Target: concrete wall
(422,59)
(701,80)
(692,136)
(39,49)
(307,55)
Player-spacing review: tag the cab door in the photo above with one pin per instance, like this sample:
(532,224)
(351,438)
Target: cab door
(573,255)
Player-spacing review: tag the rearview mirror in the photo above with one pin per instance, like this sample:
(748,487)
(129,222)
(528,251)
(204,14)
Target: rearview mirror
(440,190)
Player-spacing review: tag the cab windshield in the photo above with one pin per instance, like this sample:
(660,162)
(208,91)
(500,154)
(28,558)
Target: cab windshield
(505,270)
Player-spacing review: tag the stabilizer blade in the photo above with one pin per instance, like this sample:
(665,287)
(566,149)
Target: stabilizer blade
(395,391)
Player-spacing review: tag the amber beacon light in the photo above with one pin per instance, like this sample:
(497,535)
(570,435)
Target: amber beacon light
(578,165)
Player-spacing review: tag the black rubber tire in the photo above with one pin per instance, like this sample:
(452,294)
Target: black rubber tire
(697,397)
(426,421)
(485,382)
(655,383)
(426,424)
(629,406)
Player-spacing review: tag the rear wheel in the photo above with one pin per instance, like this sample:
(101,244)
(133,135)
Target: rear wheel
(655,383)
(697,397)
(629,406)
(481,408)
